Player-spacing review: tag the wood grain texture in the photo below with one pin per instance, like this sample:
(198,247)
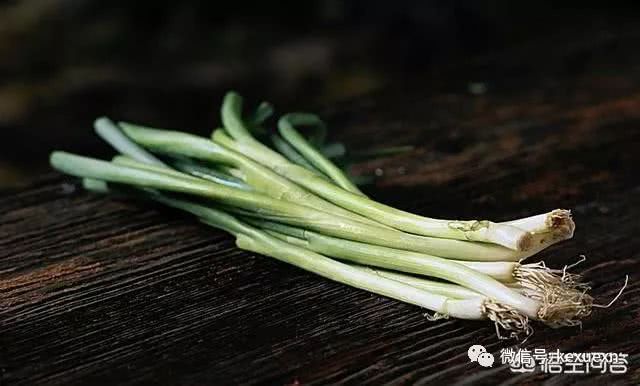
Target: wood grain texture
(100,290)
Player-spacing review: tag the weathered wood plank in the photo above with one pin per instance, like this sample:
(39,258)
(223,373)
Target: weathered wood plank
(102,290)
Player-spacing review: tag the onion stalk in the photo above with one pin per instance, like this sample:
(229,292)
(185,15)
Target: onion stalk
(264,207)
(533,276)
(551,314)
(243,142)
(314,157)
(553,290)
(260,178)
(445,300)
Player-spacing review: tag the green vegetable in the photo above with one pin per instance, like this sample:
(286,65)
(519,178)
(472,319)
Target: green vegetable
(299,207)
(244,143)
(253,239)
(261,206)
(317,159)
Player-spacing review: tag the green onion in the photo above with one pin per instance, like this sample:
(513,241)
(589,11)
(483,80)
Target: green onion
(438,267)
(210,174)
(108,131)
(299,207)
(534,278)
(253,239)
(441,288)
(261,206)
(507,297)
(171,142)
(297,141)
(292,154)
(474,230)
(255,175)
(343,273)
(557,224)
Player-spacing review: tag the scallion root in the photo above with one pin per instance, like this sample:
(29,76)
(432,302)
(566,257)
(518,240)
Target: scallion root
(507,320)
(434,317)
(563,296)
(564,306)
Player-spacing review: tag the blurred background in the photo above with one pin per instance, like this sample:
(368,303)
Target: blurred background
(168,64)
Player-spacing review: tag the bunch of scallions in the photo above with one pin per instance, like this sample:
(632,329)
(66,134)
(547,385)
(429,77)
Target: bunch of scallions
(279,194)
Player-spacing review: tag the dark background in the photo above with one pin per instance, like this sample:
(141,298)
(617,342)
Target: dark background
(168,64)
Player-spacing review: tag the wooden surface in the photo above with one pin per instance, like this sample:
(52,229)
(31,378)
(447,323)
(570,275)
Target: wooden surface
(98,290)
